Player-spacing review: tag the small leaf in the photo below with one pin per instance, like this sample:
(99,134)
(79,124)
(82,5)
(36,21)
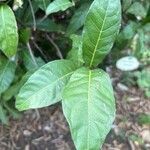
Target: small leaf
(8,31)
(13,90)
(58,5)
(7,73)
(44,87)
(100,30)
(43,3)
(24,35)
(76,52)
(89,107)
(137,9)
(144,81)
(126,4)
(29,63)
(78,19)
(144,119)
(3,116)
(48,25)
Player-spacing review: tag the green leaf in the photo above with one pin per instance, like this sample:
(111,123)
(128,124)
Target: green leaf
(8,31)
(137,9)
(143,79)
(24,35)
(144,119)
(76,52)
(7,73)
(28,61)
(126,4)
(89,107)
(129,30)
(12,111)
(43,3)
(3,116)
(58,5)
(100,30)
(44,87)
(13,90)
(136,138)
(78,19)
(48,25)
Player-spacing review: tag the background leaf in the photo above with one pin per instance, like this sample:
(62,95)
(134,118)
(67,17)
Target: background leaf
(8,31)
(89,106)
(76,52)
(7,73)
(137,9)
(101,27)
(43,3)
(47,25)
(44,87)
(3,116)
(29,63)
(78,18)
(58,5)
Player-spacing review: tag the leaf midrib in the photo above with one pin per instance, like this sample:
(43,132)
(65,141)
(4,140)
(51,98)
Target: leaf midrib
(89,85)
(99,37)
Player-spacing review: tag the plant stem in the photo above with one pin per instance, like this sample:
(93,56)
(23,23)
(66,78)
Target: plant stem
(31,54)
(39,49)
(55,45)
(33,16)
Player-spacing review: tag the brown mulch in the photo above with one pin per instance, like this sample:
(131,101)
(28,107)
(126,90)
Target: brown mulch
(51,132)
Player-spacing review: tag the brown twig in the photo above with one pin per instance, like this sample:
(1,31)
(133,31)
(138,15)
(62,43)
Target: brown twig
(55,45)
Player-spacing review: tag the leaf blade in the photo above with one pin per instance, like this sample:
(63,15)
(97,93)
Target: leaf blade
(8,31)
(75,54)
(58,5)
(7,73)
(101,27)
(78,19)
(44,87)
(89,107)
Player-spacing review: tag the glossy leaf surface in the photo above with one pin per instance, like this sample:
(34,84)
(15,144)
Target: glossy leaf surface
(89,106)
(44,87)
(8,31)
(101,27)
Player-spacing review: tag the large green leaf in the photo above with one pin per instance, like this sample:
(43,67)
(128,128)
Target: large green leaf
(89,106)
(8,31)
(101,27)
(44,87)
(58,5)
(7,73)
